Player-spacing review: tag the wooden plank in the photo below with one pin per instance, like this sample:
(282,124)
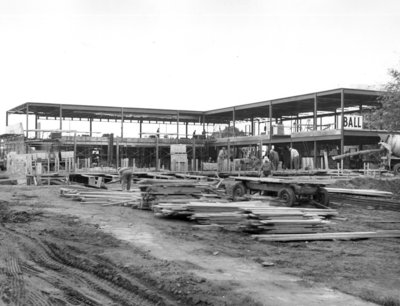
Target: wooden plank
(329,236)
(371,192)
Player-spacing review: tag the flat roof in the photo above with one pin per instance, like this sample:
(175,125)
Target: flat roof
(327,101)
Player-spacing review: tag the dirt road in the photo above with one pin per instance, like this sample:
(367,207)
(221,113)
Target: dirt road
(60,252)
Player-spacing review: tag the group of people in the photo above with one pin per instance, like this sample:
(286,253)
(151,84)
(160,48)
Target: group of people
(271,160)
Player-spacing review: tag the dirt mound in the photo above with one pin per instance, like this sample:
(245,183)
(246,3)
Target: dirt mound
(386,184)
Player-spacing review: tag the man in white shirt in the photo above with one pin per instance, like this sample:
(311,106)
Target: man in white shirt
(295,158)
(222,156)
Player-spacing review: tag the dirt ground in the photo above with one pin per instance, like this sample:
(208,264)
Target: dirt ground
(55,251)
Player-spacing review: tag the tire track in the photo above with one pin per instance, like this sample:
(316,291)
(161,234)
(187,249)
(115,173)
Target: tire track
(115,286)
(13,271)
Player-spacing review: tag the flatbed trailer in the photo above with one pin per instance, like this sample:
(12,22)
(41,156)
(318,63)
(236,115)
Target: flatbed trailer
(289,190)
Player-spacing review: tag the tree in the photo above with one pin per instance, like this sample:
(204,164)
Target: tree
(387,116)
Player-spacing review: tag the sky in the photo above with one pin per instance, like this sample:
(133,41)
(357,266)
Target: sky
(191,54)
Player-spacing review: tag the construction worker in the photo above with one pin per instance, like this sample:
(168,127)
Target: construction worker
(222,156)
(125,175)
(294,158)
(266,167)
(274,158)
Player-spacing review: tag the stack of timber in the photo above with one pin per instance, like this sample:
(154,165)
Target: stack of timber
(366,202)
(196,208)
(179,191)
(105,198)
(330,236)
(251,216)
(365,198)
(286,220)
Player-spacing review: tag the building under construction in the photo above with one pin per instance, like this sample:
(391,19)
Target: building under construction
(318,125)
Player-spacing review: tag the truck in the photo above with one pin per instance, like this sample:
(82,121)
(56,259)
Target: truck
(389,149)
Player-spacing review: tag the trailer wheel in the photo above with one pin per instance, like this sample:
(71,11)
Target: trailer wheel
(288,196)
(322,197)
(396,169)
(236,190)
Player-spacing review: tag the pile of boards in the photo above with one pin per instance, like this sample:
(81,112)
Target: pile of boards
(103,197)
(366,198)
(251,216)
(176,192)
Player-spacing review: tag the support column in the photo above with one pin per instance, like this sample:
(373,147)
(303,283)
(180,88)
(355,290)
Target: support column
(252,126)
(140,128)
(315,154)
(27,120)
(177,125)
(234,121)
(341,128)
(186,129)
(122,122)
(36,127)
(336,121)
(157,155)
(117,152)
(194,155)
(61,116)
(270,123)
(90,127)
(315,128)
(7,113)
(315,112)
(75,158)
(229,155)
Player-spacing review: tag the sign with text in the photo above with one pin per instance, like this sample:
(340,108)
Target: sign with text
(352,122)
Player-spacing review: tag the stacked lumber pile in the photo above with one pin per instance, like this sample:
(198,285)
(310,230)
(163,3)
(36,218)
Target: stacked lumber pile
(285,220)
(179,191)
(105,198)
(251,216)
(366,202)
(366,198)
(330,236)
